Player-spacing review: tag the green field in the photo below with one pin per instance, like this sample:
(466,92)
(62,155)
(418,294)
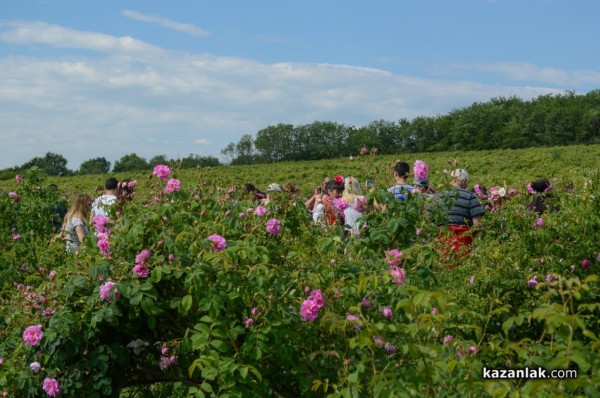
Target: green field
(526,296)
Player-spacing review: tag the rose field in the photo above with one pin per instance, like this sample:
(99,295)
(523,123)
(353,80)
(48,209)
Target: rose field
(194,290)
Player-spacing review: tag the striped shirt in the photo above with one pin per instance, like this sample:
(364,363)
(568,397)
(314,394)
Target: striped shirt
(461,206)
(401,191)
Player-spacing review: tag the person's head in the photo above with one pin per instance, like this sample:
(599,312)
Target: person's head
(291,189)
(460,178)
(539,186)
(334,189)
(351,189)
(274,188)
(249,187)
(111,184)
(126,188)
(421,185)
(82,205)
(401,170)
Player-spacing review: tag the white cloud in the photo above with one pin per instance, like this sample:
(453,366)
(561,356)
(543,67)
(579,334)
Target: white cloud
(159,101)
(526,72)
(24,32)
(167,23)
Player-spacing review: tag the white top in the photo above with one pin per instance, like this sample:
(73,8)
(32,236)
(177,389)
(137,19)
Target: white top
(351,217)
(318,212)
(100,204)
(72,239)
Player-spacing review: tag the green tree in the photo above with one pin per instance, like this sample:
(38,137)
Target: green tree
(274,143)
(229,152)
(158,159)
(192,161)
(130,162)
(245,150)
(95,166)
(51,164)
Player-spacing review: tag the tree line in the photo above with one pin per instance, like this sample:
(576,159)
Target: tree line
(501,123)
(53,164)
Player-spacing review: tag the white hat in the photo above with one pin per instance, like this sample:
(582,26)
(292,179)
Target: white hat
(274,187)
(460,174)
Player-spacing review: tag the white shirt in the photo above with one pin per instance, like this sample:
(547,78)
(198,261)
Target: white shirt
(101,203)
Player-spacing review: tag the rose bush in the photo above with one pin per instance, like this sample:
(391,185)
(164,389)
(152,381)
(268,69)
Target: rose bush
(229,308)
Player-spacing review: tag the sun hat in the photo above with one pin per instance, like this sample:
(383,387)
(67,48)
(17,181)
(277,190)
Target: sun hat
(274,187)
(424,183)
(460,174)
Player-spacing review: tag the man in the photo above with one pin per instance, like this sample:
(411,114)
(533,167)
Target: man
(108,197)
(463,211)
(402,187)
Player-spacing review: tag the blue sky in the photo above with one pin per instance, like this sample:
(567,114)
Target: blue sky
(106,78)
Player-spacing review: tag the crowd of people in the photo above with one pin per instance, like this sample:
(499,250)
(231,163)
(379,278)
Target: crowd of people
(341,202)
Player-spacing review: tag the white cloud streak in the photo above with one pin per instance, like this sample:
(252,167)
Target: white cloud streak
(136,97)
(167,23)
(522,72)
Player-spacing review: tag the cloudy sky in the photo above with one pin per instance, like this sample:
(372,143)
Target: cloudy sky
(106,78)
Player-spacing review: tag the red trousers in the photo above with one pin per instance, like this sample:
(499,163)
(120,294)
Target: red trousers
(455,243)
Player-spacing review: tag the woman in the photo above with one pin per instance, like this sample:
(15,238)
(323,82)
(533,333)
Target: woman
(356,204)
(540,193)
(74,228)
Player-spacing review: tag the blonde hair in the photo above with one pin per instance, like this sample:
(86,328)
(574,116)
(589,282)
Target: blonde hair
(82,206)
(351,190)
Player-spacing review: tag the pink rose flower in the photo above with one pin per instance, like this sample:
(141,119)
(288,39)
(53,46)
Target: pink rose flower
(33,335)
(311,306)
(218,243)
(162,171)
(585,263)
(398,275)
(100,222)
(105,291)
(532,282)
(260,211)
(51,386)
(103,244)
(340,204)
(366,303)
(389,348)
(141,270)
(387,312)
(273,226)
(393,257)
(420,169)
(143,256)
(35,366)
(173,185)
